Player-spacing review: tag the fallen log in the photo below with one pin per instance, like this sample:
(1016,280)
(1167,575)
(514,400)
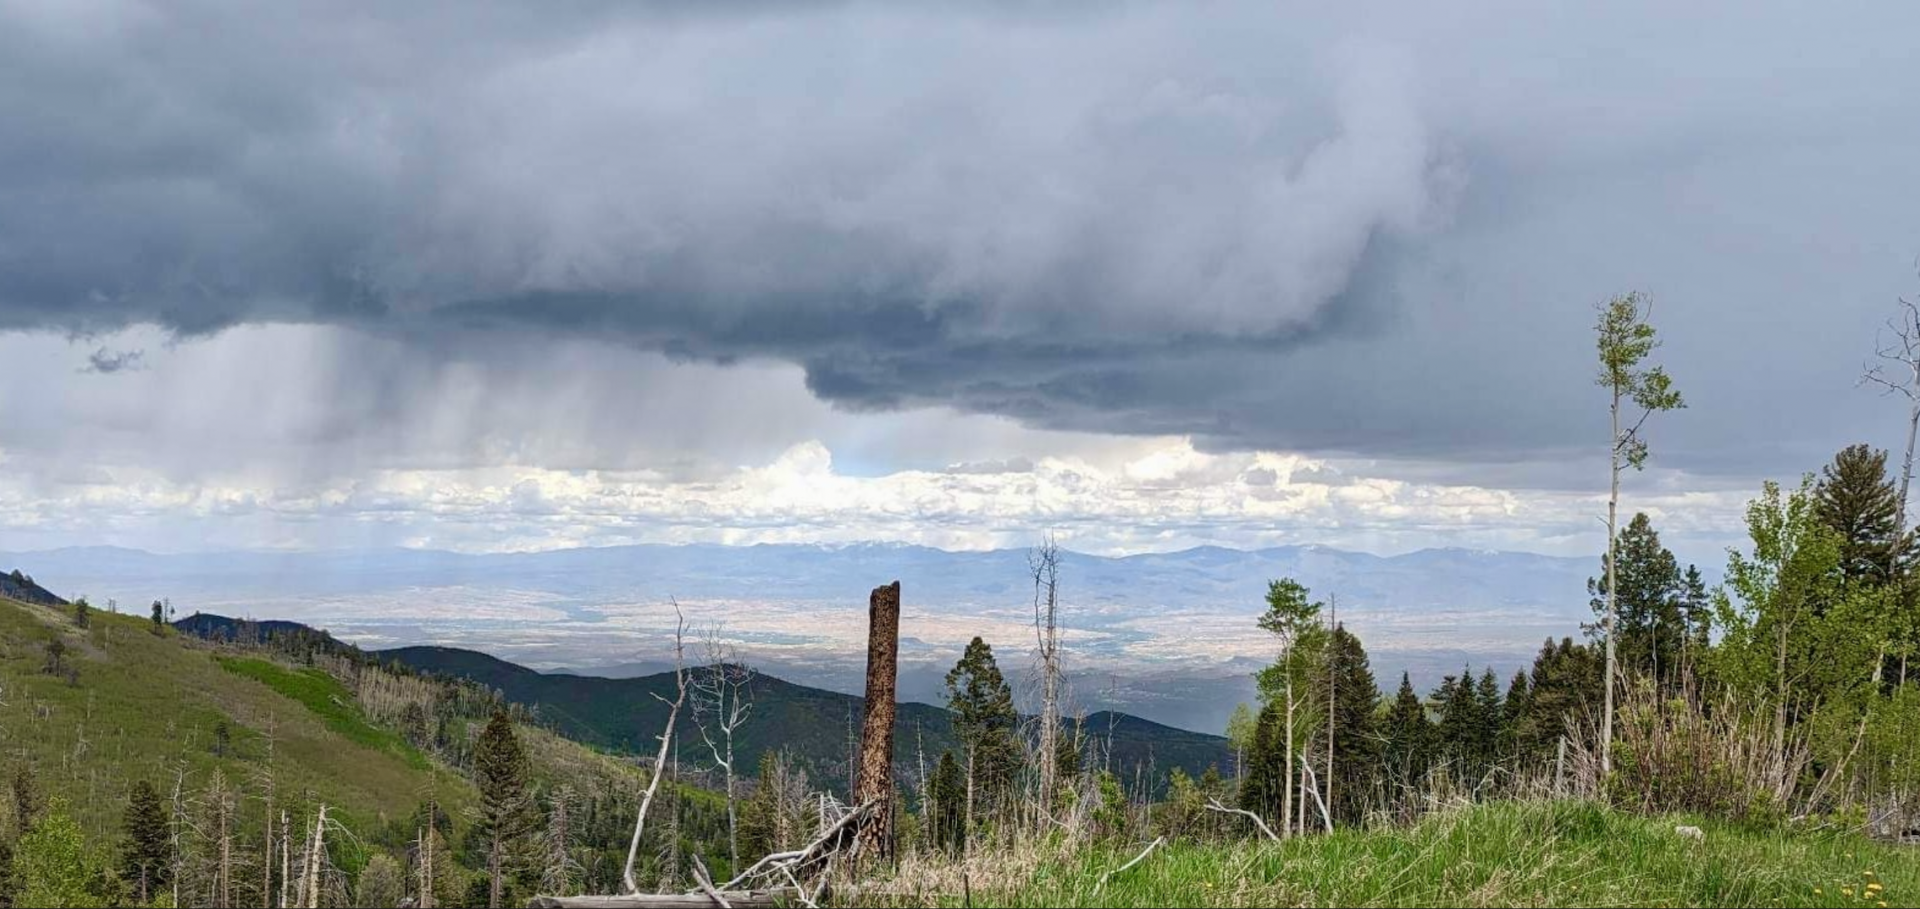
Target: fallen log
(739,899)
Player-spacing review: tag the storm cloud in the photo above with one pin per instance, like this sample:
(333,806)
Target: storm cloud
(1376,232)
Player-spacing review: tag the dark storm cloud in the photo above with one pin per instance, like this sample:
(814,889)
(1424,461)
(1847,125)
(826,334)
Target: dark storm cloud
(1259,226)
(106,362)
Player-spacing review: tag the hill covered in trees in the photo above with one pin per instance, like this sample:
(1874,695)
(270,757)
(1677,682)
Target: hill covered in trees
(813,725)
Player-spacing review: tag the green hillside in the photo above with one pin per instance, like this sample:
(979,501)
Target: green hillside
(89,712)
(813,724)
(141,706)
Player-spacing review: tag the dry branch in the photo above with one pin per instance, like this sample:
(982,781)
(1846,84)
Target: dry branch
(1214,805)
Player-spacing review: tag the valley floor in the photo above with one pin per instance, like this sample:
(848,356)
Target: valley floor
(1510,854)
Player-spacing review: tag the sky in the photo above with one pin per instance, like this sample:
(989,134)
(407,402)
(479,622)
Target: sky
(505,277)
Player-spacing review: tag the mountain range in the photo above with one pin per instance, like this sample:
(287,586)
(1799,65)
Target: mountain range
(1165,636)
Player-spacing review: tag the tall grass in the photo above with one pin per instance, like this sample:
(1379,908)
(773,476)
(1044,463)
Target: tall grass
(1503,854)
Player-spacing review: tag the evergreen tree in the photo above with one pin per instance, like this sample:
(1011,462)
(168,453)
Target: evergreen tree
(1648,624)
(1356,736)
(1409,745)
(380,882)
(159,618)
(1465,726)
(947,813)
(1492,719)
(1696,614)
(984,721)
(1266,772)
(759,813)
(145,854)
(26,799)
(82,612)
(1564,694)
(1519,704)
(500,772)
(1856,500)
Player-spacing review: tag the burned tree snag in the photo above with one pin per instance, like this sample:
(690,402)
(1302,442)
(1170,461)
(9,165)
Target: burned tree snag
(875,786)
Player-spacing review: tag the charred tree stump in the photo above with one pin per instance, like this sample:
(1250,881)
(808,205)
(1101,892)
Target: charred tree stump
(875,782)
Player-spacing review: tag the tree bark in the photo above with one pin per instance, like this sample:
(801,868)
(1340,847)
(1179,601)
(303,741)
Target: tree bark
(1606,622)
(875,784)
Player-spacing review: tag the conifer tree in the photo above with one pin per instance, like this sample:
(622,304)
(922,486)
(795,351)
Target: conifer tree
(1409,734)
(1355,734)
(500,772)
(985,723)
(1856,500)
(147,850)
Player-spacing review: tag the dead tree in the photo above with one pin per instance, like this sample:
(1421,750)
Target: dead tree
(875,786)
(722,702)
(666,740)
(1899,372)
(1045,564)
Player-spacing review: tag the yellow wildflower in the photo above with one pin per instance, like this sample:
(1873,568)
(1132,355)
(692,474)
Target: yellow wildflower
(1875,887)
(1846,891)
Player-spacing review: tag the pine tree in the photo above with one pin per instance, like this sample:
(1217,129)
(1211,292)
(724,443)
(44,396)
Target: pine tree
(1648,624)
(1514,717)
(760,811)
(1266,781)
(1356,737)
(1492,717)
(380,882)
(82,612)
(26,799)
(159,618)
(500,772)
(947,813)
(1409,745)
(146,853)
(985,722)
(1565,693)
(1857,500)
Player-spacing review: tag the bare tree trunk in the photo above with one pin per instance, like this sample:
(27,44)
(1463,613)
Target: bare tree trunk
(1286,780)
(1906,465)
(666,738)
(493,871)
(1046,620)
(286,861)
(1333,617)
(1606,622)
(425,874)
(876,731)
(266,867)
(310,880)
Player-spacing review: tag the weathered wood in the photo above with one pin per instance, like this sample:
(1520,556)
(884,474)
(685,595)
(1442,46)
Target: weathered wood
(739,899)
(875,786)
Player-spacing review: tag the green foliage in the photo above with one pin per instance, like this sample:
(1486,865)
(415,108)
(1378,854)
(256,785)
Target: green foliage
(1564,694)
(985,722)
(381,882)
(1625,340)
(506,813)
(329,700)
(1857,501)
(1661,619)
(1410,738)
(1500,854)
(51,867)
(948,812)
(82,613)
(159,618)
(1357,752)
(145,852)
(1110,815)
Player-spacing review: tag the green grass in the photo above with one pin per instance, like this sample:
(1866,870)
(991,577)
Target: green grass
(329,700)
(1560,854)
(146,707)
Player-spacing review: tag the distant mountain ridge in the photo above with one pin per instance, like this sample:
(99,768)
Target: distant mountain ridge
(18,585)
(1169,636)
(814,724)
